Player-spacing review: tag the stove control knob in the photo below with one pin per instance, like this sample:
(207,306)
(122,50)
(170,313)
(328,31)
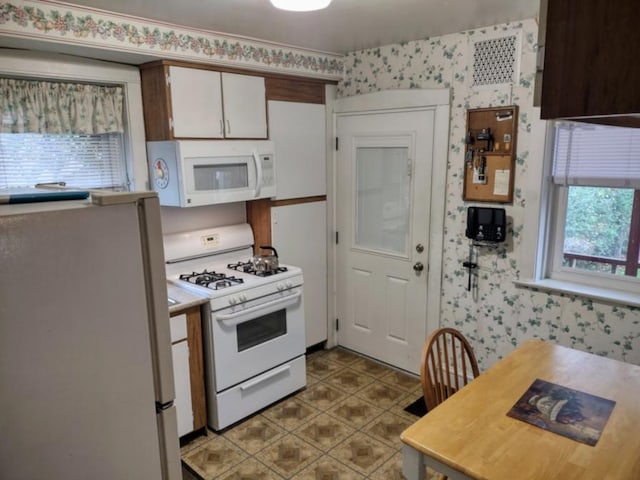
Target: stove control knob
(233,300)
(289,284)
(279,286)
(243,298)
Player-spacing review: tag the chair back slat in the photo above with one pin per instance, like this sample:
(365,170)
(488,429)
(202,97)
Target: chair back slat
(454,355)
(448,364)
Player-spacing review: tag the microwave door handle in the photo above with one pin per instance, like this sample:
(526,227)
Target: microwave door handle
(256,158)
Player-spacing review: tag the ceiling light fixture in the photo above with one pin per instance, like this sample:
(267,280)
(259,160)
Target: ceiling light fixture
(301,5)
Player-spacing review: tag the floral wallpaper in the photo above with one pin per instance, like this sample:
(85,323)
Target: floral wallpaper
(500,316)
(75,25)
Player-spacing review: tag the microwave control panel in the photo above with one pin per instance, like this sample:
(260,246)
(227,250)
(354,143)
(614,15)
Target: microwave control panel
(268,170)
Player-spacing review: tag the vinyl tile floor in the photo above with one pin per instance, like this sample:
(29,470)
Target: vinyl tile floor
(345,425)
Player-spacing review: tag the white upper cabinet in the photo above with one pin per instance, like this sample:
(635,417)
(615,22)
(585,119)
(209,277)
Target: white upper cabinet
(245,106)
(299,133)
(196,103)
(210,104)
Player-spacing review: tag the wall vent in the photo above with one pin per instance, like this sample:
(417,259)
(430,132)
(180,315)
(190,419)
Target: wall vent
(495,61)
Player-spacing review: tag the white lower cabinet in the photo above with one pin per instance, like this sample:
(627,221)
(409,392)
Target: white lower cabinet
(183,387)
(181,373)
(299,233)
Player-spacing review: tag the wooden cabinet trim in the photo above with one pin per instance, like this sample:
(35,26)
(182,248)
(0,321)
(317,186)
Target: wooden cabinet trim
(294,90)
(196,365)
(196,368)
(279,86)
(589,69)
(156,100)
(297,201)
(259,216)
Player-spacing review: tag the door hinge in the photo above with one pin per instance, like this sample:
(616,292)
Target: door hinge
(336,143)
(337,238)
(171,124)
(337,324)
(167,79)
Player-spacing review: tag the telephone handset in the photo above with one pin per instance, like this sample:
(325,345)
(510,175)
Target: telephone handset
(486,224)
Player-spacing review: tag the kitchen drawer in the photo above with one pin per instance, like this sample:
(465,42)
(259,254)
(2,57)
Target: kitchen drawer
(178,326)
(248,397)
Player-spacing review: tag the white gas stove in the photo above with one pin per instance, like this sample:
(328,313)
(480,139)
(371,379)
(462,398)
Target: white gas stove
(254,339)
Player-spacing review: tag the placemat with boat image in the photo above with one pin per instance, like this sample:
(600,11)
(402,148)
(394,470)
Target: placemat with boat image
(564,411)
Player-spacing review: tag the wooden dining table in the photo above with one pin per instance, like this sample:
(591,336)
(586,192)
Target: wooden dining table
(470,435)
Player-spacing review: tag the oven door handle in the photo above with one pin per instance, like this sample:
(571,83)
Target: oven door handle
(246,315)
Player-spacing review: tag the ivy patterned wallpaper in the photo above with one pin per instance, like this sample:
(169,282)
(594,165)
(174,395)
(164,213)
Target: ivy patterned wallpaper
(501,316)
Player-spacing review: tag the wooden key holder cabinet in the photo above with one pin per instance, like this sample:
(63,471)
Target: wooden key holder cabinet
(490,154)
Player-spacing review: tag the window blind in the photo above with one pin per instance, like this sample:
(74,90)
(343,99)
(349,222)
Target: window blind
(84,161)
(596,155)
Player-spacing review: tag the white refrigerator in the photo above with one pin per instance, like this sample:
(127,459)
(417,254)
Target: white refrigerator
(86,379)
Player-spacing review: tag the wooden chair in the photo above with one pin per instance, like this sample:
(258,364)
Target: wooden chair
(447,365)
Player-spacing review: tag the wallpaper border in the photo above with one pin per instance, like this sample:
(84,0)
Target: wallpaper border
(74,25)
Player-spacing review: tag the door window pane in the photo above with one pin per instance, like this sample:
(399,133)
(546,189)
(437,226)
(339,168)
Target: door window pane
(382,201)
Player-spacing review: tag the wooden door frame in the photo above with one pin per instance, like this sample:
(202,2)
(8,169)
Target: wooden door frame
(392,101)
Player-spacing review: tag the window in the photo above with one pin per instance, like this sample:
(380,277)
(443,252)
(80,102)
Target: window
(594,207)
(82,73)
(84,161)
(70,133)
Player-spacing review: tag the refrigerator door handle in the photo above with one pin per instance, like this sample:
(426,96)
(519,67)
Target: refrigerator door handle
(160,407)
(156,283)
(169,443)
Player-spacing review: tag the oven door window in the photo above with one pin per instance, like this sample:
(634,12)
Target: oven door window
(221,176)
(261,329)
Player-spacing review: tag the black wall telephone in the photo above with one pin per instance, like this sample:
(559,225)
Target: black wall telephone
(486,224)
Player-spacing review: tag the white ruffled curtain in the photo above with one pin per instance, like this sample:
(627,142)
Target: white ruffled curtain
(28,106)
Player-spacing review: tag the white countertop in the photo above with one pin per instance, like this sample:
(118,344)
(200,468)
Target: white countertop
(184,298)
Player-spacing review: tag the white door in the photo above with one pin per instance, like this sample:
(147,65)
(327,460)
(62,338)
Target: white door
(384,175)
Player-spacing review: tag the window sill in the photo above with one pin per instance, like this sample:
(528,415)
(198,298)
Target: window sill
(596,293)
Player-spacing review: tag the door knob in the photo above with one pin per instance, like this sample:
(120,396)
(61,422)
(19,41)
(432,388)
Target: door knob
(419,248)
(418,267)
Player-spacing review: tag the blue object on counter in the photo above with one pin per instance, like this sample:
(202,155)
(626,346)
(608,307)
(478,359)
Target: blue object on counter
(30,195)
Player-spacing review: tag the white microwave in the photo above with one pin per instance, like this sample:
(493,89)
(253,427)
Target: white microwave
(190,173)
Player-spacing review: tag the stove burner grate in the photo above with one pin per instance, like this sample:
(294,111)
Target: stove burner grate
(247,267)
(212,280)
